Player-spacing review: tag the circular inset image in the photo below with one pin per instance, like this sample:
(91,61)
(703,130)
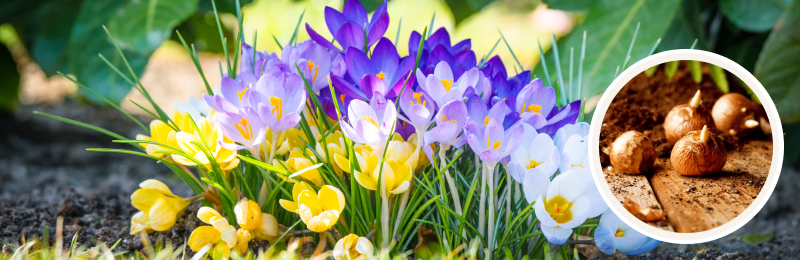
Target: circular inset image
(687,146)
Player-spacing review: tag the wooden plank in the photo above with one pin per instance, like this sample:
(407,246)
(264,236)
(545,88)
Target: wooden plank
(636,188)
(695,204)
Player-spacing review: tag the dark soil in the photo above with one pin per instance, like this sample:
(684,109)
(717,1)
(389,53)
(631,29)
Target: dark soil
(45,172)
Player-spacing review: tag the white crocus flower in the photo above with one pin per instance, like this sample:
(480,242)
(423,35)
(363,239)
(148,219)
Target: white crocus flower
(562,207)
(575,157)
(536,152)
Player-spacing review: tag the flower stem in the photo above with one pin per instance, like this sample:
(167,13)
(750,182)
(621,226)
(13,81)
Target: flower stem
(481,206)
(451,183)
(490,227)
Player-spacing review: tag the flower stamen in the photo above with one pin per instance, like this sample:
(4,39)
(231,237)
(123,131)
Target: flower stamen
(277,107)
(448,84)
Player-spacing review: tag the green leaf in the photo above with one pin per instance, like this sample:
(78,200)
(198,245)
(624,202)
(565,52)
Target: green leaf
(610,27)
(753,15)
(778,66)
(758,238)
(47,33)
(569,5)
(142,26)
(686,28)
(9,85)
(462,9)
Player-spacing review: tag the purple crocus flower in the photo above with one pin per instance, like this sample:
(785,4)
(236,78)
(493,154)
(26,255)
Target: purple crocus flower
(247,131)
(348,27)
(371,123)
(437,48)
(277,100)
(443,88)
(257,63)
(450,123)
(494,67)
(315,62)
(534,102)
(560,117)
(404,129)
(383,73)
(481,114)
(228,98)
(507,89)
(418,108)
(490,141)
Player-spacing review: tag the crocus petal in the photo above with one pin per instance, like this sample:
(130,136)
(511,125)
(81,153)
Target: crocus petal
(319,39)
(350,35)
(333,19)
(604,240)
(555,234)
(355,12)
(378,24)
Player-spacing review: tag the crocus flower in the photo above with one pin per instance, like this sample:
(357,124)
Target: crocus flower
(255,63)
(319,211)
(162,133)
(220,234)
(443,88)
(575,157)
(298,162)
(348,27)
(384,72)
(371,123)
(536,151)
(508,89)
(489,138)
(565,132)
(248,214)
(335,145)
(278,100)
(315,62)
(418,108)
(268,229)
(398,167)
(159,207)
(559,117)
(535,102)
(353,247)
(561,207)
(613,236)
(450,122)
(206,135)
(438,48)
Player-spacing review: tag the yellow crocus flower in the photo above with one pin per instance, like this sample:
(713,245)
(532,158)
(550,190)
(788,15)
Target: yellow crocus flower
(219,231)
(161,206)
(319,211)
(297,162)
(243,238)
(162,133)
(268,229)
(208,137)
(353,247)
(335,145)
(401,158)
(248,214)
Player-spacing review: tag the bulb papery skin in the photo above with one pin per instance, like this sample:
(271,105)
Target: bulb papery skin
(683,119)
(692,157)
(632,153)
(730,113)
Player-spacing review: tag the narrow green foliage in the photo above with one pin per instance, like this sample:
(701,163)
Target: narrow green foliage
(671,68)
(719,77)
(696,70)
(293,40)
(510,50)
(650,71)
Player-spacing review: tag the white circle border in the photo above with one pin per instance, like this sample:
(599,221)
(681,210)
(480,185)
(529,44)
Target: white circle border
(738,221)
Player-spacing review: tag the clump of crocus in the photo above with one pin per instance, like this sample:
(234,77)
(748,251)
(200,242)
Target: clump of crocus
(224,237)
(699,152)
(206,138)
(683,119)
(353,247)
(158,207)
(319,211)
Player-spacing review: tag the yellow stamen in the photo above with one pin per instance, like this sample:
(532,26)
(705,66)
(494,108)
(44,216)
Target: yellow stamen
(241,93)
(444,118)
(311,67)
(619,233)
(418,96)
(531,108)
(369,119)
(381,75)
(448,84)
(495,145)
(486,121)
(533,164)
(277,106)
(244,128)
(559,209)
(342,98)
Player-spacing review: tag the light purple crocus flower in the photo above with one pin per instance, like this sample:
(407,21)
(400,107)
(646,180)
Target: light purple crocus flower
(418,108)
(348,27)
(437,48)
(450,122)
(315,62)
(534,103)
(257,63)
(371,123)
(443,88)
(560,117)
(537,152)
(614,236)
(489,139)
(277,100)
(246,130)
(228,98)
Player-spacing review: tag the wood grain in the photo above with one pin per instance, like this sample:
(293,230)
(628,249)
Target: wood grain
(636,188)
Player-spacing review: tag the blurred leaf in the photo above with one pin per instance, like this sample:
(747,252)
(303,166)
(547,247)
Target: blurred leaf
(758,238)
(142,26)
(9,80)
(223,6)
(778,66)
(47,32)
(753,15)
(201,30)
(462,9)
(88,39)
(610,27)
(747,48)
(569,5)
(685,28)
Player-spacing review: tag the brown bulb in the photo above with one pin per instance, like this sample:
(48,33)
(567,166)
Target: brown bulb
(632,153)
(683,119)
(734,113)
(698,153)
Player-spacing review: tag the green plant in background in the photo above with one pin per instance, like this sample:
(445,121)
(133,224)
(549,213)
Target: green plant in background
(67,36)
(762,36)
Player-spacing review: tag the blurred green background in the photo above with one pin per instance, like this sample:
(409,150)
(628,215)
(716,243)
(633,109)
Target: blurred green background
(42,37)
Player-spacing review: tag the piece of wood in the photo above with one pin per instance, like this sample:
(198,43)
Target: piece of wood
(637,189)
(699,203)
